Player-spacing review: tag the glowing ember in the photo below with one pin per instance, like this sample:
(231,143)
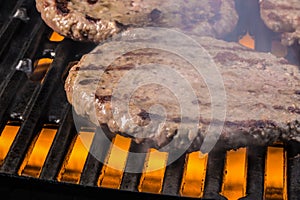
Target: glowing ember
(194,175)
(39,153)
(247,41)
(76,159)
(112,172)
(6,139)
(152,177)
(275,173)
(55,37)
(234,180)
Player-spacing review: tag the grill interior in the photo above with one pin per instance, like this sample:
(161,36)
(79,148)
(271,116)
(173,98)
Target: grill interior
(44,156)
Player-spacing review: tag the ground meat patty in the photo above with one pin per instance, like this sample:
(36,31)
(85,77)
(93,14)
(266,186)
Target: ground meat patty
(262,93)
(282,16)
(98,20)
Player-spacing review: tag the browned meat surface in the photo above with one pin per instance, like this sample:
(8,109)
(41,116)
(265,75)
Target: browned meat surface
(140,94)
(282,16)
(99,20)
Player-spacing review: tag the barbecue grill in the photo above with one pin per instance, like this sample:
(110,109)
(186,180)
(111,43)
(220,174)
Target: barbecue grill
(42,155)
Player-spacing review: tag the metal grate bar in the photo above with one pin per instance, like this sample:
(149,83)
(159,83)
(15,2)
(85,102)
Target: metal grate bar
(57,153)
(135,163)
(7,95)
(173,174)
(214,175)
(28,36)
(242,24)
(263,41)
(97,153)
(293,54)
(32,188)
(293,172)
(6,9)
(11,25)
(11,79)
(37,109)
(21,101)
(262,35)
(58,102)
(6,36)
(255,172)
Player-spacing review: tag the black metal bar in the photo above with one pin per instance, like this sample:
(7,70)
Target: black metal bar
(57,104)
(31,85)
(214,175)
(263,38)
(20,47)
(10,26)
(7,95)
(20,102)
(173,174)
(293,54)
(12,79)
(243,22)
(6,10)
(134,166)
(7,36)
(262,34)
(37,110)
(293,170)
(255,173)
(32,188)
(96,156)
(59,148)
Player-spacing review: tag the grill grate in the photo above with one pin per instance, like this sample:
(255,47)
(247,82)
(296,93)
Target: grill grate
(293,173)
(43,102)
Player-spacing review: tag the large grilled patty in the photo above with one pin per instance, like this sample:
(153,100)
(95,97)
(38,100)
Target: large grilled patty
(97,21)
(262,94)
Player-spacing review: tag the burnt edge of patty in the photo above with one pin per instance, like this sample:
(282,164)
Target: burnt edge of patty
(62,6)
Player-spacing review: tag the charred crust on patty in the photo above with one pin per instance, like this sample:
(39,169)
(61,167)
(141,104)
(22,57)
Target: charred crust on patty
(155,15)
(104,99)
(92,1)
(62,6)
(92,19)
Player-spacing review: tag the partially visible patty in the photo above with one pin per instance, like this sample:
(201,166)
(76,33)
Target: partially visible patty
(282,16)
(95,20)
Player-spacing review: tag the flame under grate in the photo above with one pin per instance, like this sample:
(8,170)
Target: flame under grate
(192,179)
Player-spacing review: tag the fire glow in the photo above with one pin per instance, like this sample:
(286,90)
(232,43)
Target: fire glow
(234,180)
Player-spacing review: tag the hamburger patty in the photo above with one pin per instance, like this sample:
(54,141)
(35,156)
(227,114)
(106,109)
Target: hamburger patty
(142,94)
(97,21)
(282,16)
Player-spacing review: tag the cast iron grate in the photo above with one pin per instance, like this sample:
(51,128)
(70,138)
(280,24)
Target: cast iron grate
(30,104)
